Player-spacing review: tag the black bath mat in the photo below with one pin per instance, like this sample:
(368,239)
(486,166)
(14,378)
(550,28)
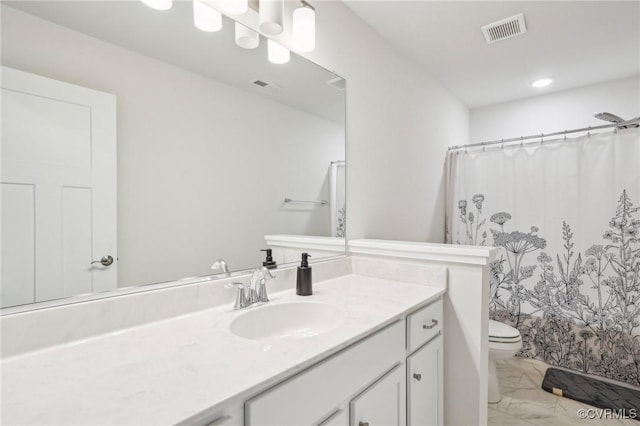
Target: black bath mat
(591,391)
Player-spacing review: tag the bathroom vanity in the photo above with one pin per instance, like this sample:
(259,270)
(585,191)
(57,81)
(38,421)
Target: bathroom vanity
(368,382)
(368,349)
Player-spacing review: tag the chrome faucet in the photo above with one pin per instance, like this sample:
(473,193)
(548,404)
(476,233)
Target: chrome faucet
(257,292)
(258,288)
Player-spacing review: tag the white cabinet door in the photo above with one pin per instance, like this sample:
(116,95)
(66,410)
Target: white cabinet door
(424,385)
(383,403)
(58,189)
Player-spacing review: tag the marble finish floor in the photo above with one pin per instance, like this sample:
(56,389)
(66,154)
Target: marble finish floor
(525,403)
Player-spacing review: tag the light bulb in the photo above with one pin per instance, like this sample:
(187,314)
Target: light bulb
(246,37)
(158,4)
(276,53)
(205,17)
(304,29)
(234,7)
(271,16)
(543,82)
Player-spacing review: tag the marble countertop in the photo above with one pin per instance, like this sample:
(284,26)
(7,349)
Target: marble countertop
(168,371)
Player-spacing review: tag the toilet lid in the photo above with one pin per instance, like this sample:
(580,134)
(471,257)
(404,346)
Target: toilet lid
(501,332)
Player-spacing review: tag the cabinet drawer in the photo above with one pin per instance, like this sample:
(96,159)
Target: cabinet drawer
(313,394)
(423,324)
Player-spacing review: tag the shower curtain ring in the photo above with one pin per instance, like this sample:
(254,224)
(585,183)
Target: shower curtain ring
(589,132)
(483,150)
(521,141)
(541,138)
(565,134)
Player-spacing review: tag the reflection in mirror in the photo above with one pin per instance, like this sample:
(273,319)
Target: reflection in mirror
(129,134)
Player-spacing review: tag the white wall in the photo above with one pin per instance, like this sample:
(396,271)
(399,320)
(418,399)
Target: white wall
(569,109)
(400,121)
(202,167)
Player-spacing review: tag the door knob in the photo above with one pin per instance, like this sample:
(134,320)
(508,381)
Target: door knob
(417,376)
(105,261)
(363,423)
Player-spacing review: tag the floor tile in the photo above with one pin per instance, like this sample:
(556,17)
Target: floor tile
(497,418)
(503,405)
(524,403)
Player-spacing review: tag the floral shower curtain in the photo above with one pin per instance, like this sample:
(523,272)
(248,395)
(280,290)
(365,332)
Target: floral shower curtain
(566,216)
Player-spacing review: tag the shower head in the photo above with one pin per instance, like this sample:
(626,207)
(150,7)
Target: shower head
(621,123)
(607,116)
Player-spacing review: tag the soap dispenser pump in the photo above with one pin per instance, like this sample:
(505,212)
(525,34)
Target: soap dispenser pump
(304,283)
(269,263)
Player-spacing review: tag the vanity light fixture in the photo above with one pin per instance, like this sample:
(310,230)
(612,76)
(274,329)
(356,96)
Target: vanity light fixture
(271,16)
(205,17)
(304,28)
(277,53)
(543,82)
(246,37)
(234,7)
(159,4)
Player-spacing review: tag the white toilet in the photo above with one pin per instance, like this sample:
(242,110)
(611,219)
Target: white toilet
(504,342)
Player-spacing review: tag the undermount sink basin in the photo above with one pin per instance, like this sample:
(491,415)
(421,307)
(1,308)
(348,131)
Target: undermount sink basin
(288,320)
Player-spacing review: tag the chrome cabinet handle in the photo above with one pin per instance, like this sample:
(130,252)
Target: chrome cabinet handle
(417,376)
(430,326)
(105,261)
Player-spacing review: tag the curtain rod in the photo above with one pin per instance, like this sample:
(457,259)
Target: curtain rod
(635,121)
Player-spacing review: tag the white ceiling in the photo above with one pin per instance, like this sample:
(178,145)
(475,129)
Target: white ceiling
(576,42)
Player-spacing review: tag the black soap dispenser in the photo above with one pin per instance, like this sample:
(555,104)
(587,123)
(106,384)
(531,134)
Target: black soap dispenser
(269,263)
(304,283)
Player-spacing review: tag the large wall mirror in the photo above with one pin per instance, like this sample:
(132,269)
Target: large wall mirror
(200,140)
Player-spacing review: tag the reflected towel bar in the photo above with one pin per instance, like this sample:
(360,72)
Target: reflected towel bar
(318,202)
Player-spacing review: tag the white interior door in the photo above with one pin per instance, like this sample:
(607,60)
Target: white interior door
(58,191)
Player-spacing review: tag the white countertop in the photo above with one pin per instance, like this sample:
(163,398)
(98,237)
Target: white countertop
(168,371)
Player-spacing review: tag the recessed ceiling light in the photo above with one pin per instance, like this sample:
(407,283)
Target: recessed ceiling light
(543,82)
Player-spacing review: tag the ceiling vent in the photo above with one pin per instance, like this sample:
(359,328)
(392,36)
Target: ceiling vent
(504,28)
(338,82)
(269,87)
